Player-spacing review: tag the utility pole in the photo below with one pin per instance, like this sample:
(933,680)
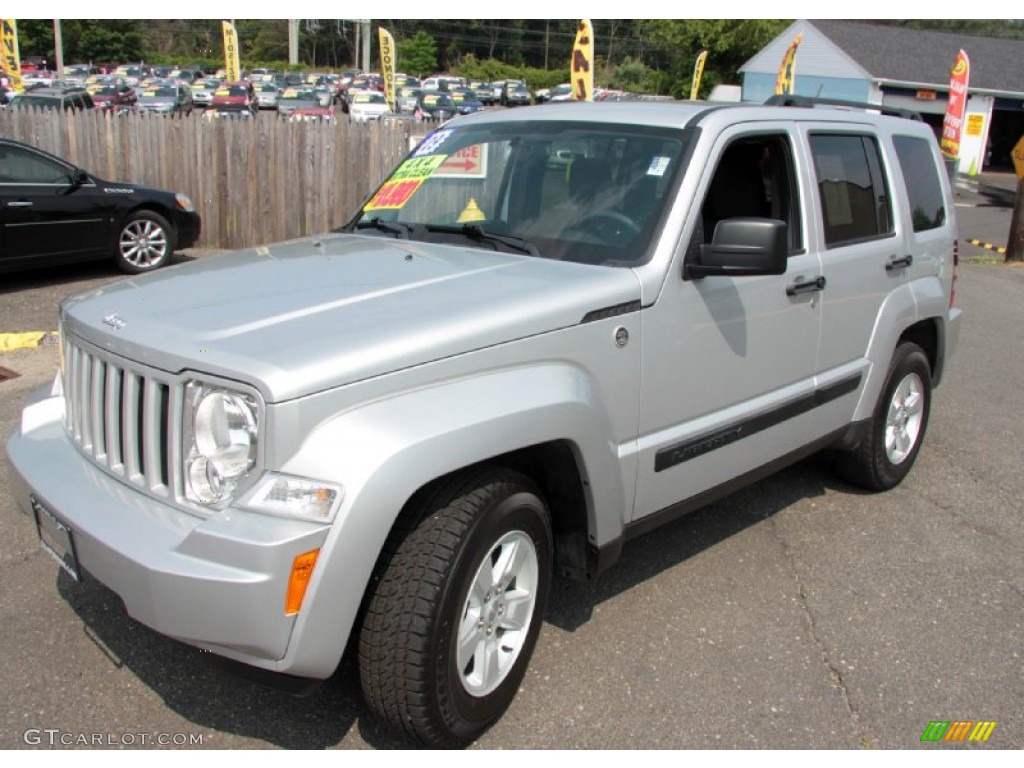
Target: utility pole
(366,45)
(58,46)
(293,41)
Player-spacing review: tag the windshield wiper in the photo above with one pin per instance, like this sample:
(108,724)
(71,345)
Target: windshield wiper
(476,232)
(397,228)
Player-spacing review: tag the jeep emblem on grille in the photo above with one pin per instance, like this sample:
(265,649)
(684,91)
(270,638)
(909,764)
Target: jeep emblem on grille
(114,321)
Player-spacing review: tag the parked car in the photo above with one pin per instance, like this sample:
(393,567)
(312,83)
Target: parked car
(52,211)
(436,105)
(312,114)
(560,93)
(367,106)
(239,94)
(73,98)
(406,98)
(203,90)
(267,95)
(296,97)
(119,97)
(466,101)
(77,73)
(515,94)
(393,437)
(229,111)
(174,99)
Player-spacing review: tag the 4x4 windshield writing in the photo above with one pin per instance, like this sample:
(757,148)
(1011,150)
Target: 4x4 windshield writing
(571,191)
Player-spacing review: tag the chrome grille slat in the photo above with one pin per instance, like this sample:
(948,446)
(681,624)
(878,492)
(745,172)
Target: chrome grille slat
(98,400)
(120,416)
(112,418)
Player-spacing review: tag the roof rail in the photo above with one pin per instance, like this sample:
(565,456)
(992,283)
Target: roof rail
(788,100)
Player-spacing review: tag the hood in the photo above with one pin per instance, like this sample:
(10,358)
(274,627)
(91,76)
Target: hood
(311,314)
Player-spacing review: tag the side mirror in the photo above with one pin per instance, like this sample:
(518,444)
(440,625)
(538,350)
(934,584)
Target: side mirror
(742,247)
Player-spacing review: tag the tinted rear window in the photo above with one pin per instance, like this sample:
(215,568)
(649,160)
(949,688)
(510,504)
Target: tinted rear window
(927,208)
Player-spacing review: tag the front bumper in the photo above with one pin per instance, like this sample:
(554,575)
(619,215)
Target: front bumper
(217,582)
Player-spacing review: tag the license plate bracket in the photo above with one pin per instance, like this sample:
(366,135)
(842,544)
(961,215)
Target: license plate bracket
(57,540)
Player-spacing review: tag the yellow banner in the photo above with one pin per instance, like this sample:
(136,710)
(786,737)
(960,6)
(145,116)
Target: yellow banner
(9,49)
(387,64)
(232,65)
(582,64)
(787,72)
(698,72)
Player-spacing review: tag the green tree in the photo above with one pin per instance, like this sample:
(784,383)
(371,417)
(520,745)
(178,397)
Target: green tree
(729,42)
(113,40)
(418,55)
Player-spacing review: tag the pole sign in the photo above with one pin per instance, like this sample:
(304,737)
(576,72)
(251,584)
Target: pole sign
(387,64)
(10,60)
(698,72)
(582,64)
(787,70)
(232,66)
(956,106)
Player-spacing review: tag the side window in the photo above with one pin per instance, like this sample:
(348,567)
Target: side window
(927,207)
(754,177)
(854,199)
(23,167)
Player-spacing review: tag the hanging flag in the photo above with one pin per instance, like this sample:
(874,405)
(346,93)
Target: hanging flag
(387,64)
(956,106)
(698,72)
(232,65)
(10,60)
(787,72)
(582,64)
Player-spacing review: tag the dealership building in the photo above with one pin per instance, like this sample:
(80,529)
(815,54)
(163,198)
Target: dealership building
(907,69)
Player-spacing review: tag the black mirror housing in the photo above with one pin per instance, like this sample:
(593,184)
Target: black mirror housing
(743,247)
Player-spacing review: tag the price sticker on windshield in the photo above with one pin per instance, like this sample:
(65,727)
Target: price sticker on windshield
(399,189)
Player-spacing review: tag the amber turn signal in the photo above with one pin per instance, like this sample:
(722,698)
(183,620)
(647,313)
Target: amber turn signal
(302,569)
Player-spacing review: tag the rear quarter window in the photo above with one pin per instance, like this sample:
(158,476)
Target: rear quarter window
(927,206)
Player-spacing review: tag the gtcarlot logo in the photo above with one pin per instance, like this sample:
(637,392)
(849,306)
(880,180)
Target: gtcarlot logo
(958,730)
(54,737)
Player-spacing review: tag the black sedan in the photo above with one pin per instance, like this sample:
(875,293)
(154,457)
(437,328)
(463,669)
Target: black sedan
(436,105)
(52,211)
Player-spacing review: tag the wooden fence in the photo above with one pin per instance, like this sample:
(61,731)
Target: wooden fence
(252,181)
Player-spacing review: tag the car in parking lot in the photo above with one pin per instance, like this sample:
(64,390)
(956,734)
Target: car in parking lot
(296,97)
(366,106)
(52,211)
(203,90)
(172,99)
(466,101)
(239,93)
(436,105)
(267,95)
(69,98)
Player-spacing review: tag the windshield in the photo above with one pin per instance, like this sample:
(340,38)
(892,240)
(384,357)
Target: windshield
(587,192)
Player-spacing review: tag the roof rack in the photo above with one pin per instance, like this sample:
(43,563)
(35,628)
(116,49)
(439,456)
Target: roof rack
(789,100)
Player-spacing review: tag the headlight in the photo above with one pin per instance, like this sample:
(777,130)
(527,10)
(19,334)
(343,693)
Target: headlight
(290,496)
(184,202)
(221,428)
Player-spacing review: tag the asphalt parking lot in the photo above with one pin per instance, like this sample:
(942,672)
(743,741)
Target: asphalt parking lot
(800,613)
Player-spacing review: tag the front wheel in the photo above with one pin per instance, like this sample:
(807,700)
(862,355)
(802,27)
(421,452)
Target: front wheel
(145,242)
(456,613)
(888,451)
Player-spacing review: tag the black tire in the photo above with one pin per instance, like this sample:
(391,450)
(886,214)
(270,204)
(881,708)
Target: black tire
(409,654)
(145,241)
(888,451)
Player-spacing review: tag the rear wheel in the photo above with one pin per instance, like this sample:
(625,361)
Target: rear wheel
(886,454)
(455,616)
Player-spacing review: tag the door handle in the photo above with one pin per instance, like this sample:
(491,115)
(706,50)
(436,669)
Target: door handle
(19,204)
(803,285)
(898,263)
